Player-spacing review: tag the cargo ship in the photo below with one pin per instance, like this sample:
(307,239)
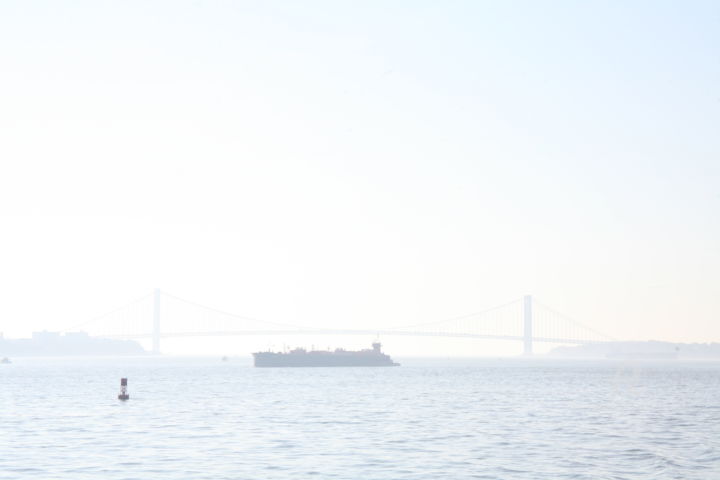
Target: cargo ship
(300,357)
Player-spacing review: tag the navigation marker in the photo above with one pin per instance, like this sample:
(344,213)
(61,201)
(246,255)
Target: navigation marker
(123,390)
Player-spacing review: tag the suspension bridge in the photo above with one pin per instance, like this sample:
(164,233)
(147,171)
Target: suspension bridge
(162,315)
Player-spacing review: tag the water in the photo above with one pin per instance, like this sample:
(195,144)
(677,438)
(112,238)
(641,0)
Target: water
(508,419)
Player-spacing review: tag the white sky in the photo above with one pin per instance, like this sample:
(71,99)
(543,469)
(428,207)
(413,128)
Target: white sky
(363,163)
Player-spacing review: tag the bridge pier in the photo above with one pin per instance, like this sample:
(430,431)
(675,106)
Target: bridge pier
(156,323)
(527,321)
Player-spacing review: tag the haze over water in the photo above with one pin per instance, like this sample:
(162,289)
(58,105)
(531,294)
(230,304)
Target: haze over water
(511,419)
(352,166)
(335,164)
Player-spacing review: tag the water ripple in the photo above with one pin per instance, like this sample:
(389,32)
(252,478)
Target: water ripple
(508,420)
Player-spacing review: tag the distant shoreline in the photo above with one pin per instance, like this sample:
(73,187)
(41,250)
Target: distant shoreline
(55,344)
(649,350)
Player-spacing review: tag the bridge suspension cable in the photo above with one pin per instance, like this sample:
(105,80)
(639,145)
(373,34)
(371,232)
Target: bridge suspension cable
(553,324)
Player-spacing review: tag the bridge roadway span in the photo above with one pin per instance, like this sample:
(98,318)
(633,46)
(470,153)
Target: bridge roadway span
(320,331)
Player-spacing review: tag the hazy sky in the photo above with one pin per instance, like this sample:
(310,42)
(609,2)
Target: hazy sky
(363,163)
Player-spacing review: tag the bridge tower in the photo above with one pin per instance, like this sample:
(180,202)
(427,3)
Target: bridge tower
(156,322)
(527,321)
